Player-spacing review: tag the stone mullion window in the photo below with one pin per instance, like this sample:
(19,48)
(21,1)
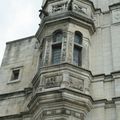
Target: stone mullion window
(77,51)
(56,53)
(57,46)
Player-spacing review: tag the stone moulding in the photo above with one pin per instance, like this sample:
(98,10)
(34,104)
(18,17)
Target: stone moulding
(61,99)
(71,16)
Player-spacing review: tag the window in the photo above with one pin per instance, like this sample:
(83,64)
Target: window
(15,74)
(56,46)
(77,53)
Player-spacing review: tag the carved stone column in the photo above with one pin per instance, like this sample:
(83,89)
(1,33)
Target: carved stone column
(70,45)
(85,54)
(47,58)
(64,47)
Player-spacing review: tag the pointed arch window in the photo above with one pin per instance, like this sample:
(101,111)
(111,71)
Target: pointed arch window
(56,46)
(77,52)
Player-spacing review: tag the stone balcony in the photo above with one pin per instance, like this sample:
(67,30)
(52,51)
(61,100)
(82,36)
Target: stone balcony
(61,91)
(63,75)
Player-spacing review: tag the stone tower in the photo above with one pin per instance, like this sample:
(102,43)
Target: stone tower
(63,78)
(70,69)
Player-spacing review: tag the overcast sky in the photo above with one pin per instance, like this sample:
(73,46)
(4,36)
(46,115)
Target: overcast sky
(18,19)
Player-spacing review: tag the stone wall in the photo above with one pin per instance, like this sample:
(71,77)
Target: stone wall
(20,54)
(23,55)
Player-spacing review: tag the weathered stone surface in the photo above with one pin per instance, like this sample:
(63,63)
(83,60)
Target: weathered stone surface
(46,91)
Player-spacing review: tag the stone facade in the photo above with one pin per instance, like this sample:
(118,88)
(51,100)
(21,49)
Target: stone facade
(33,87)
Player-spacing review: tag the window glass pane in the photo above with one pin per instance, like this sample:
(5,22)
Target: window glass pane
(78,39)
(58,37)
(56,54)
(77,56)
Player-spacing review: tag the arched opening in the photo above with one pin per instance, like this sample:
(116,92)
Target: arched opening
(77,52)
(56,46)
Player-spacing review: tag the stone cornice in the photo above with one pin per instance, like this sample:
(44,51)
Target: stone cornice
(71,16)
(107,103)
(60,97)
(114,6)
(13,116)
(12,94)
(21,39)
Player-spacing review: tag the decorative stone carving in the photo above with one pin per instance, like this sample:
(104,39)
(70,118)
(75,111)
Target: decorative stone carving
(116,16)
(42,52)
(76,83)
(64,111)
(64,47)
(59,7)
(47,54)
(52,81)
(80,9)
(85,54)
(70,47)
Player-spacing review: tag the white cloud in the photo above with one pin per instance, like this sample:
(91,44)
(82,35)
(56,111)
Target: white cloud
(18,19)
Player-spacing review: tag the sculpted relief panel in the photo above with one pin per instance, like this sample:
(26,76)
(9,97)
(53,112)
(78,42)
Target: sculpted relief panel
(76,83)
(80,9)
(116,16)
(55,80)
(52,81)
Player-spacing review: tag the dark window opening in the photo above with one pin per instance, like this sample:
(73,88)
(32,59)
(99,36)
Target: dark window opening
(15,74)
(78,38)
(57,36)
(77,52)
(77,56)
(56,46)
(56,54)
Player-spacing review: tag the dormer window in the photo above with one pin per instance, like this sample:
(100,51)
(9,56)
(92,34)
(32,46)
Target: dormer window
(56,46)
(77,52)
